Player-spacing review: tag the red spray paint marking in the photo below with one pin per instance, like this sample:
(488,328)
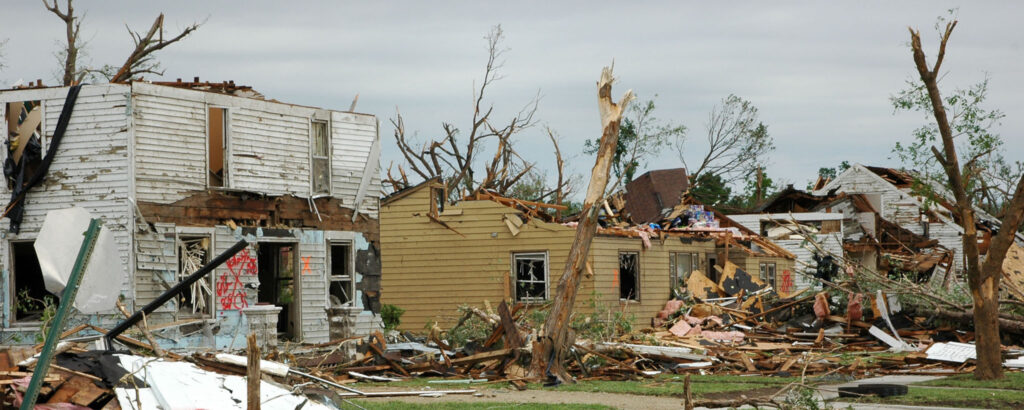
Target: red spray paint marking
(231,292)
(305,265)
(787,282)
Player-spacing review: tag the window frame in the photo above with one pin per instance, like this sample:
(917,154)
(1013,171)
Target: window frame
(673,264)
(12,289)
(189,235)
(313,157)
(516,255)
(636,278)
(226,147)
(350,277)
(768,271)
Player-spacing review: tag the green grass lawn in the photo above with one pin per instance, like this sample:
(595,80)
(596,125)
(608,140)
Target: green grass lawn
(976,398)
(474,405)
(1012,381)
(662,385)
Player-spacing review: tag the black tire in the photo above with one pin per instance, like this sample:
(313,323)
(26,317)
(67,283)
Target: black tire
(880,390)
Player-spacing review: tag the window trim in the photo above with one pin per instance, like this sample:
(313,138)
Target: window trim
(225,141)
(767,277)
(12,291)
(192,234)
(636,280)
(695,264)
(330,277)
(515,276)
(313,156)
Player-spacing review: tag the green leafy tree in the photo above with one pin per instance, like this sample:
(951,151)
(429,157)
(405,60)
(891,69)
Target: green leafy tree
(641,136)
(990,177)
(712,190)
(757,187)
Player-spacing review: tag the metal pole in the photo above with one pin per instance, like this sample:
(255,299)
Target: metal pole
(67,299)
(172,292)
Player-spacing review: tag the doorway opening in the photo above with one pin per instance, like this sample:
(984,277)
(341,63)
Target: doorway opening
(277,263)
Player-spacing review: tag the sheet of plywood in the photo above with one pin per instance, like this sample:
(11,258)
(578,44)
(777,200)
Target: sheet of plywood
(1013,271)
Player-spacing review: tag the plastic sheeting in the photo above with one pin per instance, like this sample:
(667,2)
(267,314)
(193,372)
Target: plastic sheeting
(57,247)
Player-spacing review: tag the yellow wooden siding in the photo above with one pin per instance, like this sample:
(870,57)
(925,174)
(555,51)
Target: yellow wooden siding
(654,272)
(430,270)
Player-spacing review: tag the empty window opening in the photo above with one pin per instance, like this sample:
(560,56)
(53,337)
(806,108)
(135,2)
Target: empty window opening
(321,158)
(24,141)
(196,300)
(31,299)
(768,273)
(218,146)
(342,289)
(629,276)
(712,273)
(531,271)
(437,198)
(681,265)
(276,264)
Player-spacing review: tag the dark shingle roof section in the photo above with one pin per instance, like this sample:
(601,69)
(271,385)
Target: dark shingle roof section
(648,195)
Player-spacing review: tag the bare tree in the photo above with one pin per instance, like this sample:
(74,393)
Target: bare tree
(982,276)
(69,56)
(555,338)
(737,142)
(454,158)
(140,61)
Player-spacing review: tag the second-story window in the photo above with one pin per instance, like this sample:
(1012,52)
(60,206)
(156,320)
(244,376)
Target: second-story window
(217,149)
(321,158)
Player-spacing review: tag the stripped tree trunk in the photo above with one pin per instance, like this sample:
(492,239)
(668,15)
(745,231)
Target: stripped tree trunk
(554,338)
(983,279)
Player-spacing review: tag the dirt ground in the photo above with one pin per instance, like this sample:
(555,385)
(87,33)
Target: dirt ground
(485,394)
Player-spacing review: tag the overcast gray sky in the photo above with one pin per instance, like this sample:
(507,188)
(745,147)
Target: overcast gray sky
(821,73)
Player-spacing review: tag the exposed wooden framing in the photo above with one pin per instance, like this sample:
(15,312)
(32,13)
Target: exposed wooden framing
(554,338)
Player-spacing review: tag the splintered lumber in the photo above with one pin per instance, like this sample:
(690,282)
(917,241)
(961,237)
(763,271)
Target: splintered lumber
(645,350)
(252,374)
(778,308)
(468,360)
(553,339)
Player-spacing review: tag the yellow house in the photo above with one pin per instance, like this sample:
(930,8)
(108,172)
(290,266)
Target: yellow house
(487,248)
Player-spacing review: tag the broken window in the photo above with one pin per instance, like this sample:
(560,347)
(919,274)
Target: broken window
(681,264)
(768,273)
(196,300)
(31,299)
(321,159)
(437,198)
(24,141)
(531,271)
(342,289)
(629,276)
(217,151)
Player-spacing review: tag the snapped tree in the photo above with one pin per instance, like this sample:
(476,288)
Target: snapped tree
(140,61)
(555,337)
(641,136)
(963,181)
